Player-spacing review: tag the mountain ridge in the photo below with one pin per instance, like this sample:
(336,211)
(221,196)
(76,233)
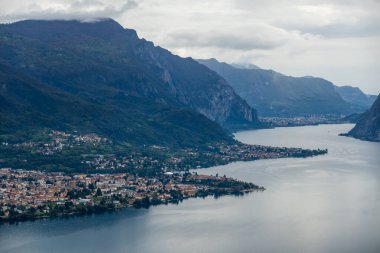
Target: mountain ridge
(99,77)
(146,70)
(356,97)
(275,94)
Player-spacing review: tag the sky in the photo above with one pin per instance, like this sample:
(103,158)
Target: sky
(338,40)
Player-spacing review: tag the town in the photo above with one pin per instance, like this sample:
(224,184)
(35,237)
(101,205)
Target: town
(28,194)
(302,120)
(90,153)
(60,174)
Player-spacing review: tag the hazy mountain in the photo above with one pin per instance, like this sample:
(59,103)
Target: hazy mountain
(274,94)
(368,127)
(100,77)
(356,97)
(91,59)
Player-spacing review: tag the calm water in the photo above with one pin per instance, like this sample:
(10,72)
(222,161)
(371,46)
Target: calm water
(329,203)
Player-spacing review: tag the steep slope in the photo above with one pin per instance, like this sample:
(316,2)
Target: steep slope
(93,60)
(29,106)
(368,127)
(274,94)
(355,97)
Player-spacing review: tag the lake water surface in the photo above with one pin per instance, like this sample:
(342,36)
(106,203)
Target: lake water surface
(328,203)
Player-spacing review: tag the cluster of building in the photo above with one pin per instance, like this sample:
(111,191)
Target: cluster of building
(32,194)
(58,140)
(301,121)
(245,152)
(91,152)
(143,179)
(194,158)
(123,162)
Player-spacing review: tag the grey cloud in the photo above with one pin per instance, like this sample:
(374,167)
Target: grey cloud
(258,3)
(364,25)
(342,31)
(79,9)
(329,18)
(223,40)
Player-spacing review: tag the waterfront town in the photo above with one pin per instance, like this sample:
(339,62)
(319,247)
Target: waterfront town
(302,120)
(90,153)
(27,194)
(61,174)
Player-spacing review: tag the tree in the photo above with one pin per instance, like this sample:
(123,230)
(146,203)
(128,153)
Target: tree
(98,192)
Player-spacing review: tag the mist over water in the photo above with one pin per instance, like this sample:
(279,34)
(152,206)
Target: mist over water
(328,203)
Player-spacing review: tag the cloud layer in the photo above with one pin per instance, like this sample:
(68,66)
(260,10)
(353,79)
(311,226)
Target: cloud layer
(63,9)
(337,39)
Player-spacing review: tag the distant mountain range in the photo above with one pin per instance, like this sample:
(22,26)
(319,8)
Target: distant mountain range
(275,94)
(356,98)
(368,127)
(99,77)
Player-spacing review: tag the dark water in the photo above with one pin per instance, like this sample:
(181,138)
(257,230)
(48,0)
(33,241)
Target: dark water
(329,203)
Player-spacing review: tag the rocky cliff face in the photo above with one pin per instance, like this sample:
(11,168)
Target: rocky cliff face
(368,127)
(275,94)
(199,88)
(90,59)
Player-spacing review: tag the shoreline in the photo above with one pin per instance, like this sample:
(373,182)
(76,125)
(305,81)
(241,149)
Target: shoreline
(106,198)
(32,194)
(116,209)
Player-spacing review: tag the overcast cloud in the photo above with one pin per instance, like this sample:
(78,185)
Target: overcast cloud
(337,39)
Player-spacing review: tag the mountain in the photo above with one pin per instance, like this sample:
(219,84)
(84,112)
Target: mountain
(275,94)
(368,127)
(94,59)
(100,77)
(357,98)
(28,106)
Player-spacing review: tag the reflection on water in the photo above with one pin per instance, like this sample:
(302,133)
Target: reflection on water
(328,203)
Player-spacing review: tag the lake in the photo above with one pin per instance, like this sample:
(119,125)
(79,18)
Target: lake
(328,203)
